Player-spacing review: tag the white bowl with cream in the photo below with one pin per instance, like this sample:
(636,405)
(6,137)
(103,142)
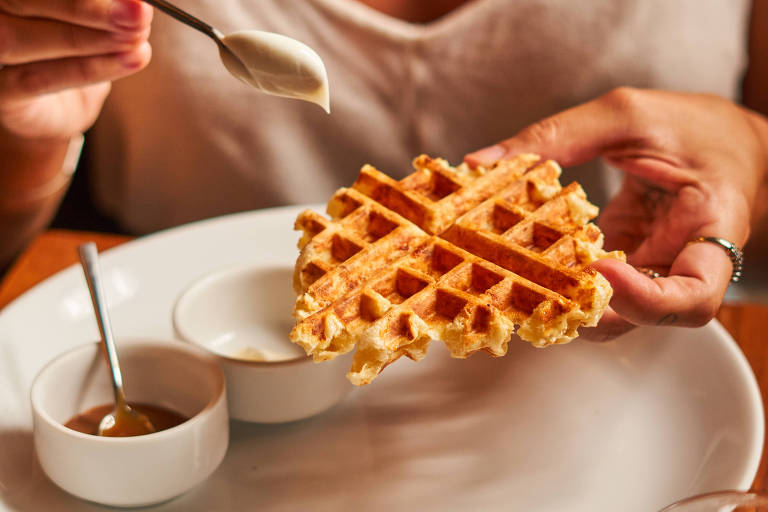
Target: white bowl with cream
(243,315)
(140,470)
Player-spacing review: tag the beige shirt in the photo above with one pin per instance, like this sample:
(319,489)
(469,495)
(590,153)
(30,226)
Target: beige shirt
(184,140)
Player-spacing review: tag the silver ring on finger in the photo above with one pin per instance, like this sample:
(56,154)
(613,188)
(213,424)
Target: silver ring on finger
(734,253)
(648,272)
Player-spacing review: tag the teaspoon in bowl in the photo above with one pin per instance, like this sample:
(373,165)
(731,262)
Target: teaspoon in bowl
(122,421)
(272,63)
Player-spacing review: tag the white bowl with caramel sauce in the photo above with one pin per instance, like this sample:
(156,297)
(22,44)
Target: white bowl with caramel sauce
(181,387)
(242,314)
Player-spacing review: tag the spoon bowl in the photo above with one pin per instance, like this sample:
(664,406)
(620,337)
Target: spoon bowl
(122,421)
(274,64)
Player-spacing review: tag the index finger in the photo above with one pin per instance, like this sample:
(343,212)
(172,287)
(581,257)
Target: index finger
(573,136)
(100,14)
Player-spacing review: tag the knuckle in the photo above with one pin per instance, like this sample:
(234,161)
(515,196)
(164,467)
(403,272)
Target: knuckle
(637,108)
(625,99)
(541,133)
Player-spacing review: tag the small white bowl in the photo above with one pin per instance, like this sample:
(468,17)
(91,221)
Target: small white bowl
(243,315)
(140,470)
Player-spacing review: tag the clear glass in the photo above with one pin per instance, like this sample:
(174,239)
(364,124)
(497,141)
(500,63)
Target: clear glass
(727,501)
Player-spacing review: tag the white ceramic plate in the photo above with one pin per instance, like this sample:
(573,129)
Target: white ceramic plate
(629,425)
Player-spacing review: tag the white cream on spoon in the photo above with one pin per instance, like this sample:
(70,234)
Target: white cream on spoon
(272,63)
(276,64)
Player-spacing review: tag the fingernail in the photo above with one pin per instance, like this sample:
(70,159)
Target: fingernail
(486,156)
(125,13)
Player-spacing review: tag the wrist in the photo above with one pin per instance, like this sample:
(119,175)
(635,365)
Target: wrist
(33,180)
(36,169)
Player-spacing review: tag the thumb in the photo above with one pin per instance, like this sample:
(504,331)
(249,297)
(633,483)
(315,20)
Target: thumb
(571,137)
(689,296)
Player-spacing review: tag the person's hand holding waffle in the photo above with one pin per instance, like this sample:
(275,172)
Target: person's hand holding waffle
(693,166)
(471,255)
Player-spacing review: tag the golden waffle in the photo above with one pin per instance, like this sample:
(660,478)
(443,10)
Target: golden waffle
(467,256)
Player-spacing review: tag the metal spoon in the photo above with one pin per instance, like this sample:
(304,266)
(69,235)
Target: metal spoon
(272,63)
(188,19)
(122,421)
(238,67)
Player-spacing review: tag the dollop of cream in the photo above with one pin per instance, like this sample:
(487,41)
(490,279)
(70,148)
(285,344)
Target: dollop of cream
(277,65)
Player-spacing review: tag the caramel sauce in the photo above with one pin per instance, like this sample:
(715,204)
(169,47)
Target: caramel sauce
(161,418)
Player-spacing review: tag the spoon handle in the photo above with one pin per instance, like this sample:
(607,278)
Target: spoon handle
(185,17)
(89,260)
